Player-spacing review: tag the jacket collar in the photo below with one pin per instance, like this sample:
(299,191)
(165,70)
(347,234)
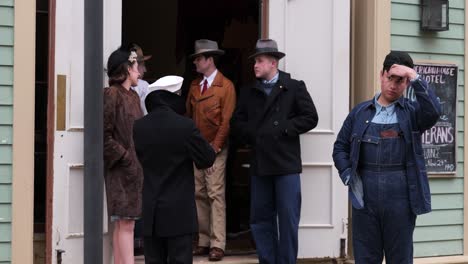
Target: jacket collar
(218,80)
(398,102)
(282,83)
(124,90)
(210,78)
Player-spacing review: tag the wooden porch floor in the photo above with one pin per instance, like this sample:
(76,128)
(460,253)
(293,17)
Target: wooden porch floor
(249,259)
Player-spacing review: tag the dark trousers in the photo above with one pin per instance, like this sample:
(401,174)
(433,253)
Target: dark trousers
(386,223)
(138,234)
(274,217)
(168,250)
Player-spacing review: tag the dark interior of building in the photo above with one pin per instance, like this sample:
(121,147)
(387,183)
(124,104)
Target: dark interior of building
(167,30)
(40,145)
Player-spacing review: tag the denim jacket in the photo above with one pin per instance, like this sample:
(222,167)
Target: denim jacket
(414,117)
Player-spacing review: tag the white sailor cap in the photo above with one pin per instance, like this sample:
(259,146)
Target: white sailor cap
(171,83)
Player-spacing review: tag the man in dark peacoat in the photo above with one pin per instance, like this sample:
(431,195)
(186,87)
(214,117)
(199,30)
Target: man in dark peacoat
(167,146)
(270,116)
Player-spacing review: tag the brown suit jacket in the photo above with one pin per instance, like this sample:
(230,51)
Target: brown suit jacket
(212,111)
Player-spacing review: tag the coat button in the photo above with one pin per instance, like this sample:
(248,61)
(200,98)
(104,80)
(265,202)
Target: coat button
(275,123)
(367,121)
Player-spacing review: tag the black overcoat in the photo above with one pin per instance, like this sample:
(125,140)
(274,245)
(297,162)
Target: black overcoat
(271,124)
(167,145)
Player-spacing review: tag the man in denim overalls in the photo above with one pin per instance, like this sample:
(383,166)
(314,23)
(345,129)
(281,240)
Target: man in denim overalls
(378,154)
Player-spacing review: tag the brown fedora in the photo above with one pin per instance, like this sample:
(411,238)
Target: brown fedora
(206,46)
(267,47)
(139,52)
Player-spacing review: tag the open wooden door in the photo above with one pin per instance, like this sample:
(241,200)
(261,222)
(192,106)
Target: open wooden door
(67,225)
(315,37)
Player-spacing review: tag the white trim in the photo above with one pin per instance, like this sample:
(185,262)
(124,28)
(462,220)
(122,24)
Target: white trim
(22,212)
(465,152)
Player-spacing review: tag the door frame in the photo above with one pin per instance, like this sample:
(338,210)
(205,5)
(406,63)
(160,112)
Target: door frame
(50,131)
(22,206)
(264,16)
(370,43)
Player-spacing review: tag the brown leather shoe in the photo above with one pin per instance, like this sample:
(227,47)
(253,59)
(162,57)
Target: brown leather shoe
(216,254)
(201,251)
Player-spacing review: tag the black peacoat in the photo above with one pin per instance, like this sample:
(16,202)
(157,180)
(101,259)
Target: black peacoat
(271,124)
(167,145)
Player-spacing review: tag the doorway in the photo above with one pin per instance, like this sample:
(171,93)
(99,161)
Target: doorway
(43,138)
(167,30)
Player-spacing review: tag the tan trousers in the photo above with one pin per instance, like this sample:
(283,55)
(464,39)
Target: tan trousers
(211,203)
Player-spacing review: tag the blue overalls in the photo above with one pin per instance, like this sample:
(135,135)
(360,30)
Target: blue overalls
(386,223)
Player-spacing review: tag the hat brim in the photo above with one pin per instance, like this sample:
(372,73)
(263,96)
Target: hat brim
(206,52)
(145,58)
(276,54)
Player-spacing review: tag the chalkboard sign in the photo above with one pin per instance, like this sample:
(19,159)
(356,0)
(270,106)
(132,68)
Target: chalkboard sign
(439,142)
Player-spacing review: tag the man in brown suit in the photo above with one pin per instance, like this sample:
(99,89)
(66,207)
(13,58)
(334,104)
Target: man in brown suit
(210,103)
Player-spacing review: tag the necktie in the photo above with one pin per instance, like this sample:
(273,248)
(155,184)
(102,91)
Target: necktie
(204,87)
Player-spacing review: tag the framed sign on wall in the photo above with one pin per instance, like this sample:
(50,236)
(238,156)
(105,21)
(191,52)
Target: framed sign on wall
(439,142)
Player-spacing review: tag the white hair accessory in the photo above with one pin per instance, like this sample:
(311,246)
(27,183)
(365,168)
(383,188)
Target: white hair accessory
(133,56)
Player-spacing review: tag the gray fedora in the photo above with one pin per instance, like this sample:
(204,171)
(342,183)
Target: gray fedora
(206,46)
(267,47)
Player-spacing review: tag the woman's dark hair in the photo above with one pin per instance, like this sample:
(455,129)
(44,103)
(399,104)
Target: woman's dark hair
(118,63)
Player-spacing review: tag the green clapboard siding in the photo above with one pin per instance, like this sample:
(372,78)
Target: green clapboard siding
(443,186)
(438,248)
(461,91)
(439,233)
(441,217)
(6,154)
(6,95)
(6,35)
(6,128)
(5,213)
(6,115)
(6,135)
(428,44)
(411,28)
(6,2)
(5,173)
(5,251)
(5,193)
(6,16)
(445,201)
(5,232)
(6,56)
(6,75)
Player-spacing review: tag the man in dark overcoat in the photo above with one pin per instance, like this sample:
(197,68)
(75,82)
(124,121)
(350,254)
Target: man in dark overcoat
(270,116)
(167,145)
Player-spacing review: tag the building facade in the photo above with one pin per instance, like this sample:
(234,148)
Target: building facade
(337,47)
